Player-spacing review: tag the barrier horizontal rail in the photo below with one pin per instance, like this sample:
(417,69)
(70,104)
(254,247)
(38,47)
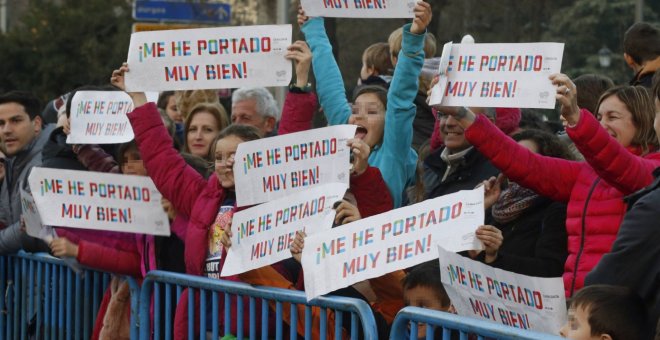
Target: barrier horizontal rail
(45,299)
(406,324)
(159,283)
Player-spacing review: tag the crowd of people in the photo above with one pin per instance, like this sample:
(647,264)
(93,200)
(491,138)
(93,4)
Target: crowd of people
(578,200)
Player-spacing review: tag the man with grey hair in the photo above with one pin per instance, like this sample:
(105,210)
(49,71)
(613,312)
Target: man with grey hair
(256,107)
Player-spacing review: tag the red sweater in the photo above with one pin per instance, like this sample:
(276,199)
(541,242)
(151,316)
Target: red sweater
(593,189)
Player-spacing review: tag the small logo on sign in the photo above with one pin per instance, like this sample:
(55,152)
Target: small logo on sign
(544,95)
(280,73)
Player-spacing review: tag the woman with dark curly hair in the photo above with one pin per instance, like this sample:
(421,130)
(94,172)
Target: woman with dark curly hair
(526,232)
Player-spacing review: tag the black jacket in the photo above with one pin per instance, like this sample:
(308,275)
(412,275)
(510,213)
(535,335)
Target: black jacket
(634,260)
(474,169)
(58,154)
(423,123)
(535,243)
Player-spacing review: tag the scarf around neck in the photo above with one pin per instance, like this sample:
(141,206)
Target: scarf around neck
(513,202)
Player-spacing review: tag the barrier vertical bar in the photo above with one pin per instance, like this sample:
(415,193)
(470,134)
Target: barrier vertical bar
(40,306)
(135,301)
(62,302)
(156,315)
(354,326)
(69,302)
(278,320)
(202,314)
(87,292)
(77,306)
(293,327)
(168,312)
(227,314)
(191,313)
(324,323)
(239,317)
(338,324)
(308,322)
(253,318)
(214,315)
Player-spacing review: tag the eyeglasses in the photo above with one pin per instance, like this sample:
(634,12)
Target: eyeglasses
(3,161)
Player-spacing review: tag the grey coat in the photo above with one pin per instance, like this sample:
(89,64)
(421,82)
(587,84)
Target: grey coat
(17,171)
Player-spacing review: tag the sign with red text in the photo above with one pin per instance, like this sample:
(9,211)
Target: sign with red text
(499,75)
(102,201)
(481,291)
(99,117)
(272,168)
(263,234)
(359,8)
(391,241)
(209,58)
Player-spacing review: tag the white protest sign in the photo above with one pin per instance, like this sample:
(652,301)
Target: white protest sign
(102,201)
(391,241)
(359,8)
(262,234)
(275,167)
(481,291)
(439,89)
(99,117)
(30,215)
(209,58)
(500,75)
(152,96)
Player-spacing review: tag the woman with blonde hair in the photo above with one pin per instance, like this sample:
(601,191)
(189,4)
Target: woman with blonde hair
(201,128)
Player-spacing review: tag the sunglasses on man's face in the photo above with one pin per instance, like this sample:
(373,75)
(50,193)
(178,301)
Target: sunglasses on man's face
(3,160)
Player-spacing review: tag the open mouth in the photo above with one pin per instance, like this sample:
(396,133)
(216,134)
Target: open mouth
(361,132)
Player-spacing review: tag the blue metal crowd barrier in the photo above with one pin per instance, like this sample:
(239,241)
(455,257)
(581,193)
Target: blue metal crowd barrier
(45,299)
(160,285)
(407,321)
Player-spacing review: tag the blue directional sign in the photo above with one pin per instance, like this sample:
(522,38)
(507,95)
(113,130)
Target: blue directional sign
(212,13)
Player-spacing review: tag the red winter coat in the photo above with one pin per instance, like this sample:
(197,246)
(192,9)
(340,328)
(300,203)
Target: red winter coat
(593,189)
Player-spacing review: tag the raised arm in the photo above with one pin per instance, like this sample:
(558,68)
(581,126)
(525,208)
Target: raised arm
(550,177)
(612,161)
(615,164)
(94,158)
(174,178)
(329,83)
(401,110)
(300,103)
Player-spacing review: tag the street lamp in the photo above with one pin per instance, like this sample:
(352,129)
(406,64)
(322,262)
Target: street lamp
(605,57)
